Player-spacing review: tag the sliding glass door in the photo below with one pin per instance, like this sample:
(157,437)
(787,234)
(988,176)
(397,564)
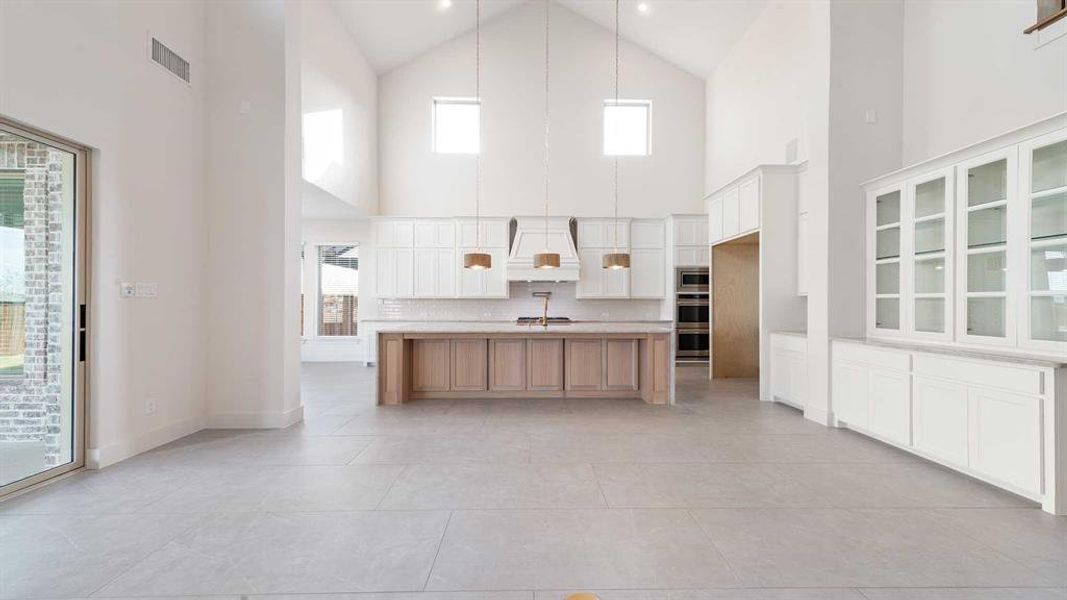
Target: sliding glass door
(42,298)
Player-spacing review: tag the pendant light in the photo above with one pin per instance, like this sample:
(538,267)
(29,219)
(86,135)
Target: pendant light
(546,259)
(478,260)
(616,260)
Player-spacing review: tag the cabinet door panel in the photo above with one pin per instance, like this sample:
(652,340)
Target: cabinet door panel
(425,234)
(507,365)
(405,270)
(780,375)
(939,419)
(620,365)
(715,220)
(798,379)
(404,233)
(584,364)
(890,409)
(445,273)
(748,200)
(593,234)
(730,214)
(425,284)
(430,365)
(1005,438)
(544,365)
(646,234)
(496,279)
(850,403)
(590,274)
(471,283)
(469,365)
(385,271)
(647,273)
(616,281)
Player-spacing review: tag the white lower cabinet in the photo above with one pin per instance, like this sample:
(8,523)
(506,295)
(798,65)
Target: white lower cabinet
(1005,437)
(940,419)
(992,419)
(789,369)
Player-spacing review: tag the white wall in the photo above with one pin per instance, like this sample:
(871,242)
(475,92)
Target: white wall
(337,80)
(757,97)
(79,70)
(336,231)
(970,74)
(414,181)
(253,187)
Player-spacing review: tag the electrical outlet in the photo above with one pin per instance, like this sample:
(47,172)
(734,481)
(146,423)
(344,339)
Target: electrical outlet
(127,290)
(150,406)
(871,116)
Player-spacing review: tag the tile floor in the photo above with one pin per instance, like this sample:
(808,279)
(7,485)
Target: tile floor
(721,497)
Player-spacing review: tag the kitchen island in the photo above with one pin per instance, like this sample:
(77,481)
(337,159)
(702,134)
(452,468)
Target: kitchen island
(505,360)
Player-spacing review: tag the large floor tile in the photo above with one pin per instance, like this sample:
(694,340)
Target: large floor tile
(702,485)
(576,549)
(901,485)
(1034,538)
(624,448)
(62,556)
(727,594)
(120,489)
(965,594)
(856,548)
(828,447)
(444,449)
(495,486)
(258,449)
(291,553)
(280,489)
(403,596)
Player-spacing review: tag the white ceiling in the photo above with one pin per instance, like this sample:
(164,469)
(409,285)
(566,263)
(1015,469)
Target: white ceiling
(693,34)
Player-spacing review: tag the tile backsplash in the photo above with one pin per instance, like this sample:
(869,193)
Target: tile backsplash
(520,304)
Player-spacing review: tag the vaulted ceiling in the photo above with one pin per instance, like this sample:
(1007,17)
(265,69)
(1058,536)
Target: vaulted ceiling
(693,34)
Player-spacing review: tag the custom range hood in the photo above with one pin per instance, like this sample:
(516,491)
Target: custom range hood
(534,235)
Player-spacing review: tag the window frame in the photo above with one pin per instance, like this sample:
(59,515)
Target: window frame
(317,323)
(612,102)
(454,100)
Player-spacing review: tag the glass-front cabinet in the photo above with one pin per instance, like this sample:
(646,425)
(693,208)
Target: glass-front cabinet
(885,310)
(929,265)
(986,186)
(970,248)
(1043,191)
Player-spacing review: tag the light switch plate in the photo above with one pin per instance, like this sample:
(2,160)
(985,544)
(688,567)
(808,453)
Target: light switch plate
(147,289)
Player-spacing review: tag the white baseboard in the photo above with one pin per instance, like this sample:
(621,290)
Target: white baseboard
(98,458)
(256,420)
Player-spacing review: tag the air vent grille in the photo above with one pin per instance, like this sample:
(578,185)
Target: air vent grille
(170,60)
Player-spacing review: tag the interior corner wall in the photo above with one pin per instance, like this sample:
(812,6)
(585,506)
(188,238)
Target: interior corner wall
(757,96)
(80,70)
(338,82)
(415,181)
(253,286)
(970,73)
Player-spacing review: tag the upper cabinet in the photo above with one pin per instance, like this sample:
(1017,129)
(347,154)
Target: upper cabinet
(642,238)
(689,240)
(971,247)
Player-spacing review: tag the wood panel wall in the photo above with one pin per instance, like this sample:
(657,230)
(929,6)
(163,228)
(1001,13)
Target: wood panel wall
(735,308)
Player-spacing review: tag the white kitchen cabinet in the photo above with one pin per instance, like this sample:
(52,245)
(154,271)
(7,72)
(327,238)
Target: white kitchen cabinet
(889,409)
(690,230)
(995,419)
(395,272)
(716,230)
(1005,438)
(939,419)
(648,274)
(598,233)
(647,233)
(479,283)
(789,369)
(435,233)
(748,199)
(435,273)
(597,282)
(691,256)
(394,233)
(494,233)
(731,224)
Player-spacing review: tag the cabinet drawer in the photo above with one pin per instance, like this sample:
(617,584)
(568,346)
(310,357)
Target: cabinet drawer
(981,374)
(885,358)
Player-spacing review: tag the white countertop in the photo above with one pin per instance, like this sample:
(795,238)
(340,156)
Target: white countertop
(958,351)
(511,327)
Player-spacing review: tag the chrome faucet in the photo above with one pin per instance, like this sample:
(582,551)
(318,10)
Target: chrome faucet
(544,315)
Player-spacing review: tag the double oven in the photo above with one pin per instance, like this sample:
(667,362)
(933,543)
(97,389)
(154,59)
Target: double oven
(692,316)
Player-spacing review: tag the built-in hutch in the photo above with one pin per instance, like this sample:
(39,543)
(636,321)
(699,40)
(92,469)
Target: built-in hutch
(967,314)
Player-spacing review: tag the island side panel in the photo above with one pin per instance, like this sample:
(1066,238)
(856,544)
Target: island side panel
(656,368)
(393,369)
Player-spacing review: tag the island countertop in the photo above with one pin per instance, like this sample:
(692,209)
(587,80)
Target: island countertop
(510,327)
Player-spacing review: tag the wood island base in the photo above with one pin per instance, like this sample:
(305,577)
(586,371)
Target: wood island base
(524,364)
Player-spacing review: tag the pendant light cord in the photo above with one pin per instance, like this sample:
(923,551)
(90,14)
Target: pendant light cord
(615,161)
(547,8)
(478,98)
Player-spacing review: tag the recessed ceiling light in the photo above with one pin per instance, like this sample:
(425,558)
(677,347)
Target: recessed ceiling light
(643,8)
(444,4)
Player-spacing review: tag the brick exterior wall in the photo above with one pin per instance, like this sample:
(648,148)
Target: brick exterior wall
(30,409)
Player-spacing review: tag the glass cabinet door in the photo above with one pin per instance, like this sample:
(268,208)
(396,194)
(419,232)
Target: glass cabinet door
(887,273)
(983,221)
(1044,186)
(930,204)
